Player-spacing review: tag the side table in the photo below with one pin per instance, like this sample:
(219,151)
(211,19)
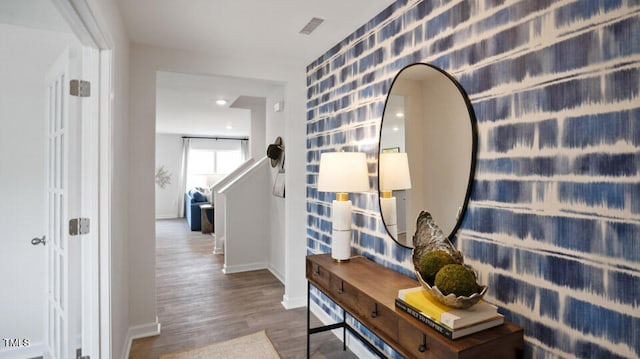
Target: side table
(207,226)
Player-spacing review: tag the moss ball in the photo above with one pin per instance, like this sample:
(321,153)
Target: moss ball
(432,262)
(456,279)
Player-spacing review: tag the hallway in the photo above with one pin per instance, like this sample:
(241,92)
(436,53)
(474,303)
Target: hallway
(199,305)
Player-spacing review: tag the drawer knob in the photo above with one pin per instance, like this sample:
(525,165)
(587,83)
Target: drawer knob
(317,271)
(374,314)
(341,289)
(423,347)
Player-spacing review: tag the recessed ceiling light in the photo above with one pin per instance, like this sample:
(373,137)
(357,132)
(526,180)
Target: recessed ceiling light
(221,102)
(311,25)
(396,128)
(400,114)
(229,127)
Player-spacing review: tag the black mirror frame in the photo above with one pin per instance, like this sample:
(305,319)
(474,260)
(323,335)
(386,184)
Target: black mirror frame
(474,148)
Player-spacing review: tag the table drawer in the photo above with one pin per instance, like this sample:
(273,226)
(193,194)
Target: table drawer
(344,293)
(319,275)
(378,316)
(419,344)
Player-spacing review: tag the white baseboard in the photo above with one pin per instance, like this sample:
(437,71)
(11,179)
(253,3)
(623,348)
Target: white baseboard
(218,247)
(31,351)
(167,216)
(276,273)
(355,345)
(140,331)
(292,303)
(239,268)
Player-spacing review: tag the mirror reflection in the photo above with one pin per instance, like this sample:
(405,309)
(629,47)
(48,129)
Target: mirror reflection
(427,152)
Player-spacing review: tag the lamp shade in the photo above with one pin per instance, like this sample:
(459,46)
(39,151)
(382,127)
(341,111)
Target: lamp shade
(343,172)
(394,171)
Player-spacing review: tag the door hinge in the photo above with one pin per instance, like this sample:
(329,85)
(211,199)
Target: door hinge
(80,356)
(79,226)
(80,88)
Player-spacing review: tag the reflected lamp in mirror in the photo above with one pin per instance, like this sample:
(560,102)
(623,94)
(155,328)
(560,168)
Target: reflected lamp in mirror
(342,172)
(394,175)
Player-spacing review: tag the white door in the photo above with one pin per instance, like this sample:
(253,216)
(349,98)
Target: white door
(63,288)
(41,313)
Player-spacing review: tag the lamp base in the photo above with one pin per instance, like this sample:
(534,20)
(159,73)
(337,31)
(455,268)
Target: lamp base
(393,231)
(341,245)
(389,215)
(341,260)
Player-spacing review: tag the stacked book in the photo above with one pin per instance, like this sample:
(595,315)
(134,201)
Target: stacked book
(450,322)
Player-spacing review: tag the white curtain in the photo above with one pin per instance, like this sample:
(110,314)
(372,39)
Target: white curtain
(182,181)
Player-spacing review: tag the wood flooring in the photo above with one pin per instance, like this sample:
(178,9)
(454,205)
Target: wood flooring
(198,305)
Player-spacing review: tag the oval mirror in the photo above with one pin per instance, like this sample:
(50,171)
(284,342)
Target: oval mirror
(427,152)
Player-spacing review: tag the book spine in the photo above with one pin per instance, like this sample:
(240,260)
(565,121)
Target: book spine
(424,319)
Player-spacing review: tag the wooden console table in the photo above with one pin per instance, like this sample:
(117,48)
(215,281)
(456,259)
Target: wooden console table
(367,291)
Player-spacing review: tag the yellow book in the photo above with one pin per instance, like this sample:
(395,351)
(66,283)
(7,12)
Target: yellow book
(453,318)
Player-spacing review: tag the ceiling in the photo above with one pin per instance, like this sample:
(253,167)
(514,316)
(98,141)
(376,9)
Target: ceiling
(36,14)
(267,31)
(186,104)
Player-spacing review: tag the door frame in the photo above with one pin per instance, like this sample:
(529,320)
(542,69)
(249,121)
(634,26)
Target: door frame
(97,154)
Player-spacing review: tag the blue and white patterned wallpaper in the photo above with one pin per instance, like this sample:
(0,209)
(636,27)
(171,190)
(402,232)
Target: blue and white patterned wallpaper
(553,224)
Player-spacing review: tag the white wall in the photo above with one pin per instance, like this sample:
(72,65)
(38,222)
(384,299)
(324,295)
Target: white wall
(266,125)
(277,224)
(24,60)
(295,138)
(169,155)
(246,245)
(142,280)
(145,61)
(219,201)
(109,20)
(257,108)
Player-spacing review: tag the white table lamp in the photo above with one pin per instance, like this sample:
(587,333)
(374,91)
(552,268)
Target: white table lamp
(342,172)
(393,175)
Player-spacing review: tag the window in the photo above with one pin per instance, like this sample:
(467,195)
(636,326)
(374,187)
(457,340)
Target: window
(227,161)
(201,162)
(206,167)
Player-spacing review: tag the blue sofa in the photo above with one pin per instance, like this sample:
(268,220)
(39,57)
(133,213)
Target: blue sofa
(192,201)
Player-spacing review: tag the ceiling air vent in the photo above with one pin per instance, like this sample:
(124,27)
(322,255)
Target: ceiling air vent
(311,25)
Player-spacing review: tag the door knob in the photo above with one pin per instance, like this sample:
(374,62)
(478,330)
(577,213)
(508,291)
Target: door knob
(37,241)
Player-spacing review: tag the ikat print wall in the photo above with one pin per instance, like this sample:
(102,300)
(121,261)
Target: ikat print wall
(553,224)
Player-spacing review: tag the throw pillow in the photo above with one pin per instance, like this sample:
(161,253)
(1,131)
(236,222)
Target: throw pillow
(199,197)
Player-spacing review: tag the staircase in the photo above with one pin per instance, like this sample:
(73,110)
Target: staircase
(241,218)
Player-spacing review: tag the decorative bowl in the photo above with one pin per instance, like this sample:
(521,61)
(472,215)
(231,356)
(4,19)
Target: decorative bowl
(428,238)
(451,300)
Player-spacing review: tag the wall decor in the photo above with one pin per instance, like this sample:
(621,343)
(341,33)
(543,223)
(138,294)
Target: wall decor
(275,151)
(163,177)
